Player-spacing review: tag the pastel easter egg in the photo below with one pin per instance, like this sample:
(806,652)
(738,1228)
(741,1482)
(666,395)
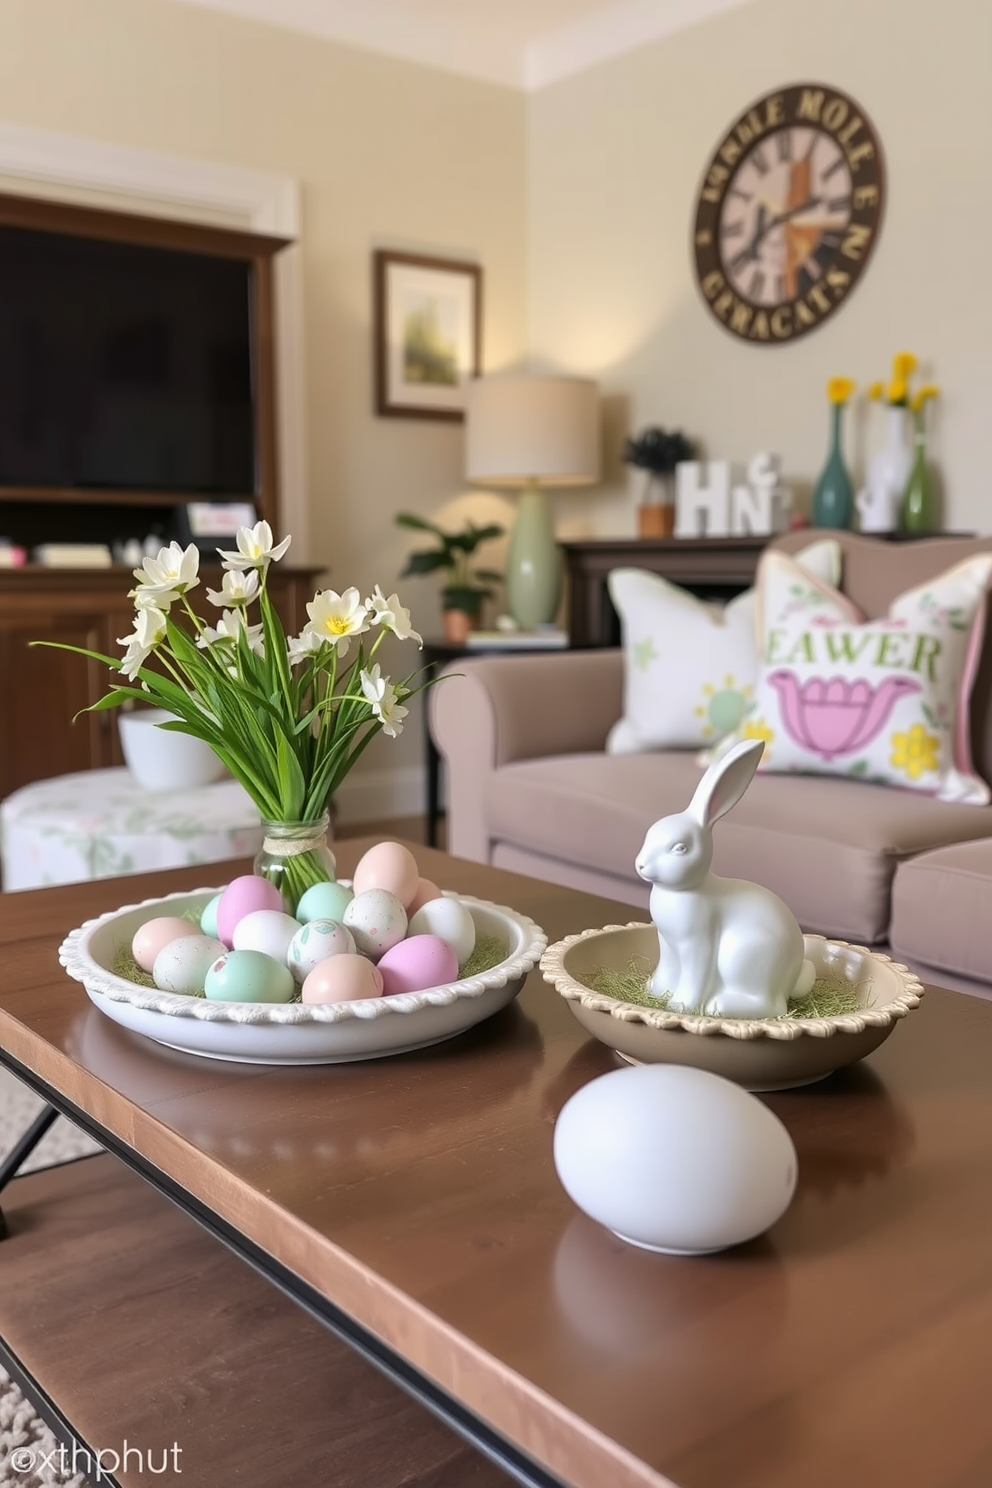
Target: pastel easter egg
(248,976)
(450,920)
(182,965)
(345,978)
(426,889)
(208,919)
(313,943)
(268,930)
(377,920)
(241,897)
(324,901)
(154,934)
(419,962)
(389,866)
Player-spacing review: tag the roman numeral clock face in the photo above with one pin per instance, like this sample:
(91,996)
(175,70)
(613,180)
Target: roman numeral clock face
(788,213)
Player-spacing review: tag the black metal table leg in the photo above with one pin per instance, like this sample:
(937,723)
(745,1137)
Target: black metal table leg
(22,1150)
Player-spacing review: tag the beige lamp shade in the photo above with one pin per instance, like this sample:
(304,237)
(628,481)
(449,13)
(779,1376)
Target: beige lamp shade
(520,429)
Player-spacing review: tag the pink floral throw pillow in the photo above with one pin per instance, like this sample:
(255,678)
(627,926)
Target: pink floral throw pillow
(882,700)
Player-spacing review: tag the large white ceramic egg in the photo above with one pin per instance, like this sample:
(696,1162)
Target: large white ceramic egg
(674,1159)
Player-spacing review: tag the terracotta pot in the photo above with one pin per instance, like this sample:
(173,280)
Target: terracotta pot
(456,625)
(656,520)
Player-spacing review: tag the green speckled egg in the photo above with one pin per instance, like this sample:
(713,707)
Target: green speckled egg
(248,976)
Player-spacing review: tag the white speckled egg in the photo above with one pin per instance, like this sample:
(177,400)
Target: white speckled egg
(208,919)
(248,976)
(450,921)
(324,901)
(674,1159)
(377,920)
(389,866)
(150,937)
(315,942)
(344,978)
(182,965)
(268,930)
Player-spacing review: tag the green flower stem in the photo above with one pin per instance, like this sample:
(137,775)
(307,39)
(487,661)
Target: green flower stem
(293,876)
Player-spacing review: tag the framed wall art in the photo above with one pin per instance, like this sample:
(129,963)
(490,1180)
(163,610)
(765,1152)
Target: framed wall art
(427,324)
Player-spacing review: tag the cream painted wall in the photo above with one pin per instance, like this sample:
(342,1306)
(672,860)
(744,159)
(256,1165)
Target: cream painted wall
(388,154)
(616,155)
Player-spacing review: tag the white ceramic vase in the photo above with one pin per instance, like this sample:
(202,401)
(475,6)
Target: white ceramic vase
(888,471)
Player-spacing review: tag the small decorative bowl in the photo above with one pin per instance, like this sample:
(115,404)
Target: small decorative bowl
(295,1033)
(758,1053)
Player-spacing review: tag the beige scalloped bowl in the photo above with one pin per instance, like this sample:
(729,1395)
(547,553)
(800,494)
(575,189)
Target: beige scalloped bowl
(758,1053)
(295,1033)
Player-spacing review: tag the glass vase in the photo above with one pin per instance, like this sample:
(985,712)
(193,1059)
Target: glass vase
(918,513)
(833,499)
(294,856)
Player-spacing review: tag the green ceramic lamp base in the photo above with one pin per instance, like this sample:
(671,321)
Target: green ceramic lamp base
(533,563)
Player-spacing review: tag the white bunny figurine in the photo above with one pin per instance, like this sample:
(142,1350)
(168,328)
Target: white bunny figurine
(728,947)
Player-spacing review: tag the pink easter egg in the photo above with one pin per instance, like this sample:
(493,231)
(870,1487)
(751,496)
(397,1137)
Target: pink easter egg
(389,866)
(345,978)
(242,897)
(415,964)
(150,938)
(426,891)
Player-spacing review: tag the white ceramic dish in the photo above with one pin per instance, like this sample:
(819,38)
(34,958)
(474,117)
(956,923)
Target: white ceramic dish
(758,1053)
(162,759)
(263,1033)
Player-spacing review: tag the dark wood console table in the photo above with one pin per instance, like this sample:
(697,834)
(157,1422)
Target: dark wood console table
(712,567)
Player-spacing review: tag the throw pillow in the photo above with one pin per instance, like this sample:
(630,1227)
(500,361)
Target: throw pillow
(883,700)
(689,667)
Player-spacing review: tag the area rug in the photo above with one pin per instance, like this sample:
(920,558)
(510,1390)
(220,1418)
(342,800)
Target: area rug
(29,1454)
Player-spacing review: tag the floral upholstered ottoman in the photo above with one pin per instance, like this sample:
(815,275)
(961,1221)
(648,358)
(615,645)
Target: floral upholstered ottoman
(102,823)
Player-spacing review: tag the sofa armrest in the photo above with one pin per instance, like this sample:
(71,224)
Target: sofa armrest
(489,711)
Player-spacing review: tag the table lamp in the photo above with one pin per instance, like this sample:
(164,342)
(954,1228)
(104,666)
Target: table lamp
(532,431)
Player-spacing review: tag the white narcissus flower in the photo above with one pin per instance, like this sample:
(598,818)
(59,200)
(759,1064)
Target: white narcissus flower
(161,580)
(255,548)
(302,647)
(149,631)
(228,628)
(386,706)
(240,587)
(336,617)
(390,613)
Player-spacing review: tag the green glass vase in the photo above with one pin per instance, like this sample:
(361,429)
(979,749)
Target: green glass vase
(918,513)
(833,499)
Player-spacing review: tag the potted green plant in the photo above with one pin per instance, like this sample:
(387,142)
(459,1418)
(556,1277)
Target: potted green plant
(657,452)
(466,587)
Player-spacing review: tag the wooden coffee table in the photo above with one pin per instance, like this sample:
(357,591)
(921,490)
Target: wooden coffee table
(412,1205)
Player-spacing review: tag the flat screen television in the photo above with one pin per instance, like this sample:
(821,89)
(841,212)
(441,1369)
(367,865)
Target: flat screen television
(125,367)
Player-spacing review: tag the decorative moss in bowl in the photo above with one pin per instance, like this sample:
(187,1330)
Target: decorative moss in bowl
(858,997)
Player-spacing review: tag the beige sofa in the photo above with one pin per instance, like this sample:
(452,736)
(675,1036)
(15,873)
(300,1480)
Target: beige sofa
(530,788)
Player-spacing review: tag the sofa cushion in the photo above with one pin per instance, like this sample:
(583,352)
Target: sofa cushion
(689,667)
(828,846)
(941,904)
(884,700)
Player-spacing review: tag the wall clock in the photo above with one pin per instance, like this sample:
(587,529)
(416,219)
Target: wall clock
(788,213)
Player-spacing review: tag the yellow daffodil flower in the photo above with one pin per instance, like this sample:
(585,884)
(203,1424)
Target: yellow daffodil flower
(920,399)
(897,391)
(839,389)
(875,391)
(904,364)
